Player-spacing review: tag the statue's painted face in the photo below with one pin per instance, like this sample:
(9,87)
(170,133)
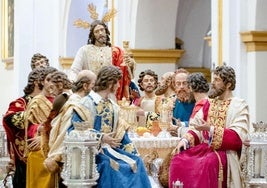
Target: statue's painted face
(182,89)
(100,35)
(148,84)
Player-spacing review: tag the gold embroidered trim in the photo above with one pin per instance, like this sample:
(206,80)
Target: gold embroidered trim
(129,148)
(37,112)
(190,138)
(105,110)
(217,118)
(98,57)
(18,120)
(217,137)
(220,173)
(115,165)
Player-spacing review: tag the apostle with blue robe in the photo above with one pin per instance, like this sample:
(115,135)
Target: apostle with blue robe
(118,162)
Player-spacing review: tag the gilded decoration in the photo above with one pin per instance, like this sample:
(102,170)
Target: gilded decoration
(217,117)
(91,8)
(18,120)
(7,33)
(191,139)
(129,148)
(255,40)
(105,111)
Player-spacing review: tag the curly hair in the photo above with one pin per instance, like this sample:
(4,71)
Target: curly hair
(37,57)
(61,77)
(43,74)
(227,74)
(106,76)
(143,74)
(32,77)
(198,82)
(79,83)
(91,37)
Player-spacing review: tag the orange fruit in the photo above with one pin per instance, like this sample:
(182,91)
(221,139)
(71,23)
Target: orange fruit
(141,130)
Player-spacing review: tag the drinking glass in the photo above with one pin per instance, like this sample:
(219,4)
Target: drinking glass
(164,123)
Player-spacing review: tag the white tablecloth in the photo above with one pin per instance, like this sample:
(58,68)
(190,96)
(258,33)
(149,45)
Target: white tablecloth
(155,142)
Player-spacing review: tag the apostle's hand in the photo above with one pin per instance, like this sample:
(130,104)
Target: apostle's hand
(51,165)
(201,125)
(173,130)
(134,94)
(182,145)
(35,143)
(108,139)
(130,62)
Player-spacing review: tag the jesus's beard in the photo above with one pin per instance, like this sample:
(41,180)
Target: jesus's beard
(102,40)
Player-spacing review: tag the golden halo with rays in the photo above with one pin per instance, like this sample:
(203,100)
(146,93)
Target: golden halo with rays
(91,8)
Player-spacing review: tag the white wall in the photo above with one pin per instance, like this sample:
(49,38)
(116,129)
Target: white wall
(193,23)
(37,31)
(155,29)
(7,86)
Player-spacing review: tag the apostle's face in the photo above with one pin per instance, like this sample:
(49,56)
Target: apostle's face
(92,84)
(217,87)
(87,88)
(163,85)
(148,84)
(49,87)
(100,35)
(181,87)
(114,87)
(41,63)
(161,89)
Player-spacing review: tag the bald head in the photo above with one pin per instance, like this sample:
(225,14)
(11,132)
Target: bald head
(86,73)
(85,81)
(167,75)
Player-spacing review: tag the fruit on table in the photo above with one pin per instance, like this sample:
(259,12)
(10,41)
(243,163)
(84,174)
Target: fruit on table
(141,130)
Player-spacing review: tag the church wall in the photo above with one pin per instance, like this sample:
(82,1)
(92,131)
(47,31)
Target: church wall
(7,85)
(261,92)
(192,25)
(150,26)
(155,24)
(261,24)
(257,86)
(36,30)
(233,49)
(257,63)
(6,88)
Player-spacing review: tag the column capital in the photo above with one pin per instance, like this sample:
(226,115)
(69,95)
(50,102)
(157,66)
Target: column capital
(254,40)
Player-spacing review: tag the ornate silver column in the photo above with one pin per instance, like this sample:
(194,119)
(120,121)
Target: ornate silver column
(5,176)
(257,157)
